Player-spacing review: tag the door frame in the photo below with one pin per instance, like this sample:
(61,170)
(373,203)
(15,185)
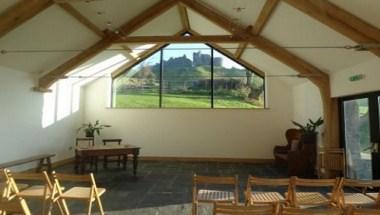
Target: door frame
(374,116)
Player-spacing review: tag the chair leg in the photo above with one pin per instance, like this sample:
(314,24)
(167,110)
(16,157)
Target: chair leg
(100,206)
(89,207)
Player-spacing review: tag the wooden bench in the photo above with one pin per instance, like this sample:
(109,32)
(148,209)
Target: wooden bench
(44,162)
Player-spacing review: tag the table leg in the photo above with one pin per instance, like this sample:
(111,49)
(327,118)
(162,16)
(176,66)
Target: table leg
(135,162)
(76,164)
(125,160)
(48,164)
(83,164)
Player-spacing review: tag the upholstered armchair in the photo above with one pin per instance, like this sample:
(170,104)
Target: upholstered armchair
(281,153)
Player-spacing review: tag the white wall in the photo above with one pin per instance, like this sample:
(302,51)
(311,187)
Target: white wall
(341,86)
(196,132)
(307,102)
(21,130)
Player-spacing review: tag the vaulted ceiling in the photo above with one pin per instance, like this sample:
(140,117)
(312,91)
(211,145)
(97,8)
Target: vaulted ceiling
(77,25)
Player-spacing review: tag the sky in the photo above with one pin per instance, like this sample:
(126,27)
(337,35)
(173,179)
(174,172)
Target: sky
(177,50)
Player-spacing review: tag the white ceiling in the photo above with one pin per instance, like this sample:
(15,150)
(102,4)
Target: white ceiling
(55,29)
(368,10)
(290,27)
(43,32)
(117,12)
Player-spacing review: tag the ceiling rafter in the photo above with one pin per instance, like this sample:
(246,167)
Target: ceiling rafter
(184,17)
(265,14)
(149,14)
(136,60)
(340,20)
(21,12)
(181,39)
(319,78)
(128,51)
(82,19)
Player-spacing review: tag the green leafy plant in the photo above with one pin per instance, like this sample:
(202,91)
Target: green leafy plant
(310,126)
(91,128)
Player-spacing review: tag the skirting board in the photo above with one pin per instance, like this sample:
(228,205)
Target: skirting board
(184,159)
(203,159)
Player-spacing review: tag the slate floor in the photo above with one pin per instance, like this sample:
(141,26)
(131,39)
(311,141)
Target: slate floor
(163,187)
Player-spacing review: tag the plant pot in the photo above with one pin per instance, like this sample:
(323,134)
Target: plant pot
(89,133)
(309,138)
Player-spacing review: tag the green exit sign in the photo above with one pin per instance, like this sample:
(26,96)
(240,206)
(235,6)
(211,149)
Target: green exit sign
(357,77)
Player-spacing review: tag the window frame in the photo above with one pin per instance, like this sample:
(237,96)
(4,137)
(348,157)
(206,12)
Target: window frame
(212,48)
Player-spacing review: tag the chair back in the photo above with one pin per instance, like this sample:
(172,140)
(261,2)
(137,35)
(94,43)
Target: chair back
(88,178)
(363,185)
(9,201)
(254,181)
(292,134)
(299,211)
(333,159)
(227,209)
(112,141)
(334,184)
(84,142)
(222,180)
(216,180)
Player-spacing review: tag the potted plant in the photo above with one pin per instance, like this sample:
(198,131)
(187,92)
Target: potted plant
(91,128)
(309,131)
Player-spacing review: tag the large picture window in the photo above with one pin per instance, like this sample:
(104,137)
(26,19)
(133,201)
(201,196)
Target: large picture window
(188,76)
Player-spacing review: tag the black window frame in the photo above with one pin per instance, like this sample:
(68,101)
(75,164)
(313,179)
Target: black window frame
(212,48)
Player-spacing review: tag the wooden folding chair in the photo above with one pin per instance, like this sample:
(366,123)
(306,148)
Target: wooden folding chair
(358,198)
(351,210)
(10,202)
(119,157)
(87,194)
(333,160)
(302,211)
(41,191)
(211,196)
(226,209)
(298,198)
(260,197)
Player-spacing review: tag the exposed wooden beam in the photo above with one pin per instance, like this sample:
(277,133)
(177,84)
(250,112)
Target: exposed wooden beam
(137,60)
(319,78)
(128,52)
(82,19)
(180,39)
(184,17)
(242,46)
(21,12)
(149,14)
(340,20)
(263,18)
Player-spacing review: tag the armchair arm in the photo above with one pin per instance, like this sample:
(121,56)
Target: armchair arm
(280,149)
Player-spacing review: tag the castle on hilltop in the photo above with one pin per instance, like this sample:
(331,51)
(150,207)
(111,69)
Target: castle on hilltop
(200,59)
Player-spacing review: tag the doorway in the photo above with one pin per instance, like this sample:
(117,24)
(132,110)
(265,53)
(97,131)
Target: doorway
(360,120)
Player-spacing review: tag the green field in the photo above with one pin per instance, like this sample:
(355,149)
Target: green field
(151,100)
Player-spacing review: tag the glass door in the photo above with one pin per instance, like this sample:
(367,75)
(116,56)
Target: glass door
(357,138)
(360,129)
